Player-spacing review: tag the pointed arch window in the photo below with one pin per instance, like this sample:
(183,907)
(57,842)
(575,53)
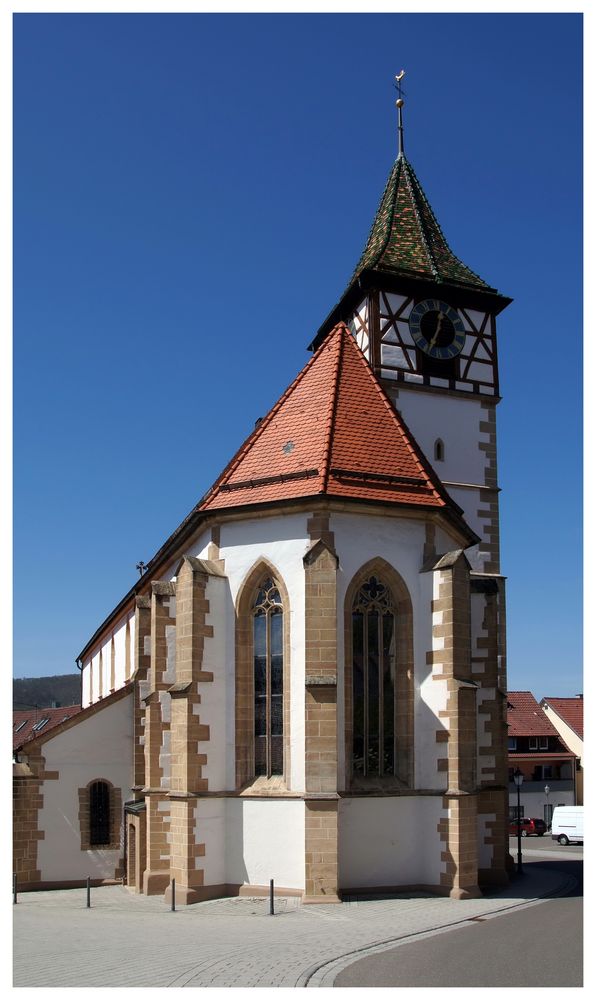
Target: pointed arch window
(268,643)
(374,635)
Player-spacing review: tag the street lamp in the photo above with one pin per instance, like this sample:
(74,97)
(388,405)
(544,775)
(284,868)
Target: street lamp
(546,791)
(518,779)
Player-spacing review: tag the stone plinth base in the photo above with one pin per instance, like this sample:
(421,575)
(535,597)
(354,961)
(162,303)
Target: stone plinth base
(470,892)
(320,899)
(154,883)
(185,895)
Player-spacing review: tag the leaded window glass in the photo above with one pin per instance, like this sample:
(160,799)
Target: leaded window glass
(268,679)
(373,680)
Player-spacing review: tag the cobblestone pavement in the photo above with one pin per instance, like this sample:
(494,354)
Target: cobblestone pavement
(131,940)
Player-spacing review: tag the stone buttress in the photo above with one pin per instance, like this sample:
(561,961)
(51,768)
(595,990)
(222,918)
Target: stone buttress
(321,799)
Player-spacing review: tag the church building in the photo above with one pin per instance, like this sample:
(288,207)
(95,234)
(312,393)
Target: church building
(307,683)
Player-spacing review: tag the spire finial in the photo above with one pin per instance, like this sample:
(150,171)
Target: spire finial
(399,105)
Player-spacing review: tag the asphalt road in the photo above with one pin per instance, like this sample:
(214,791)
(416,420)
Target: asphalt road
(534,946)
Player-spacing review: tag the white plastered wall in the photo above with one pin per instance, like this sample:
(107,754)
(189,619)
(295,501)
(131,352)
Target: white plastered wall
(433,698)
(100,662)
(264,839)
(570,737)
(533,803)
(456,421)
(120,642)
(401,839)
(99,747)
(86,686)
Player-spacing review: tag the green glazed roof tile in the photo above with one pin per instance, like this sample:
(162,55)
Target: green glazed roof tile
(406,238)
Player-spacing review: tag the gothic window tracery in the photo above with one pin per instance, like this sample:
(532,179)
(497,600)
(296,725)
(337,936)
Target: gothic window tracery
(267,615)
(374,633)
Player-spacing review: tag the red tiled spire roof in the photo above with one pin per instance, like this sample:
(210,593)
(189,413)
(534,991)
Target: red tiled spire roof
(570,710)
(525,716)
(332,432)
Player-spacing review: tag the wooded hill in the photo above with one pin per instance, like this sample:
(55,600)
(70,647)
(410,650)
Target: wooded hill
(62,689)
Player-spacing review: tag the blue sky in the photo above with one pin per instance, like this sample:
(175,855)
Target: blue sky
(191,194)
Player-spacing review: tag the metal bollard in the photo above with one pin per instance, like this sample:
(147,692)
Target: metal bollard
(14,887)
(88,892)
(173,894)
(271,907)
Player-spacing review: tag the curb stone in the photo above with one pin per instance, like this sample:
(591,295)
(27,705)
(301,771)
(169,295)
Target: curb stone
(325,973)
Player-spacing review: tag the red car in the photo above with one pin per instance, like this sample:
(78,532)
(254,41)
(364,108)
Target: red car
(529,827)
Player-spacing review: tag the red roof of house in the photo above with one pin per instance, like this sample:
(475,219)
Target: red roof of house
(27,723)
(525,717)
(333,432)
(570,710)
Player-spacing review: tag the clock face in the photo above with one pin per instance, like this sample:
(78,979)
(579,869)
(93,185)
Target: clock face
(437,329)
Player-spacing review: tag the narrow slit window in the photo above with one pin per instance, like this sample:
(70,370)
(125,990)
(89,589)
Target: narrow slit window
(439,450)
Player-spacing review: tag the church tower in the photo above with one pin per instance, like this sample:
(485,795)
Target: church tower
(427,325)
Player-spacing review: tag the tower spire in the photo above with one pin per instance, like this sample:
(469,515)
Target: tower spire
(399,105)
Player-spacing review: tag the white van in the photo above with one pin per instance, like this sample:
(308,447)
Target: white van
(568,824)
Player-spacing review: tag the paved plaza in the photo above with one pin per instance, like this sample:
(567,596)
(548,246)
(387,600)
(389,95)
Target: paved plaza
(132,940)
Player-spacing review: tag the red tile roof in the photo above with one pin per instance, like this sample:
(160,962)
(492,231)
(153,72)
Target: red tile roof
(525,717)
(570,710)
(333,432)
(24,722)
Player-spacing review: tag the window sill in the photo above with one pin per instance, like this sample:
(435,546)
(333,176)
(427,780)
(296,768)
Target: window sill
(266,786)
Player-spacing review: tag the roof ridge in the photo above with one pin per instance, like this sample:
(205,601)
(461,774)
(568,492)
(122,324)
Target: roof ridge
(258,430)
(375,257)
(338,331)
(396,174)
(429,253)
(425,467)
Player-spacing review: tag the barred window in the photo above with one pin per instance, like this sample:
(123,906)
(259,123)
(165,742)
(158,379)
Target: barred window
(268,679)
(374,629)
(99,814)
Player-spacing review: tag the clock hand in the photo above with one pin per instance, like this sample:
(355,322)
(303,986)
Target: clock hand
(437,331)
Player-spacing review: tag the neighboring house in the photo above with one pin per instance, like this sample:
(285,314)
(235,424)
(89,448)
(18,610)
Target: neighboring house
(27,723)
(567,716)
(545,761)
(307,683)
(67,798)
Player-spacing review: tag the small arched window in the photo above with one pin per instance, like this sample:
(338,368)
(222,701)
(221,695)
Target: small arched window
(267,615)
(99,814)
(439,451)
